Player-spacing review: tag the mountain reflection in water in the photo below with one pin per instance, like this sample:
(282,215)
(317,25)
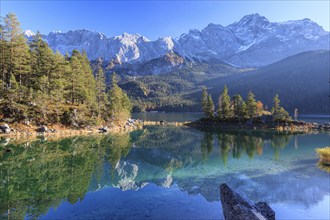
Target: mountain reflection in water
(261,166)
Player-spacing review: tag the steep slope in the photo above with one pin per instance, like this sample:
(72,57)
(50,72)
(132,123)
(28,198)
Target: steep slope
(163,64)
(302,81)
(253,41)
(167,91)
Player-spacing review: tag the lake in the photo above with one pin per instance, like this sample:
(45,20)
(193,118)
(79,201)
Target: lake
(162,172)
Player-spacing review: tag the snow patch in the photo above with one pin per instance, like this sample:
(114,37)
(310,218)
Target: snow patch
(29,33)
(245,47)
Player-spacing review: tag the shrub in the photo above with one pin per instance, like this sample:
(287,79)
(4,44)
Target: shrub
(324,154)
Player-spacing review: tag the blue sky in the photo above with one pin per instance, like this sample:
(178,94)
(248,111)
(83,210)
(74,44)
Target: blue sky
(154,19)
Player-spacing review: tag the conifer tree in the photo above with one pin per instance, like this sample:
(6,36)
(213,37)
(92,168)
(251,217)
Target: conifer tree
(239,107)
(42,64)
(88,81)
(74,77)
(251,105)
(101,95)
(209,107)
(119,103)
(279,113)
(3,52)
(224,109)
(15,52)
(204,101)
(13,91)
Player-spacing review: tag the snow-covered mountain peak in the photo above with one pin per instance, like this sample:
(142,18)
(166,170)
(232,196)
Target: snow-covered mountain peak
(251,41)
(253,19)
(168,43)
(127,38)
(56,32)
(29,33)
(214,26)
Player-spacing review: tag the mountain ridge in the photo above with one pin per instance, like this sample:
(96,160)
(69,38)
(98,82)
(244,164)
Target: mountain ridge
(253,41)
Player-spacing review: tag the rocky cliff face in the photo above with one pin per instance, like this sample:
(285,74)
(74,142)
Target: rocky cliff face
(252,41)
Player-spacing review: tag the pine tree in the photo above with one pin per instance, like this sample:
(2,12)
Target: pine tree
(239,107)
(3,57)
(251,105)
(21,65)
(279,113)
(89,83)
(42,64)
(101,95)
(209,107)
(224,109)
(204,101)
(119,103)
(56,80)
(13,90)
(75,91)
(15,52)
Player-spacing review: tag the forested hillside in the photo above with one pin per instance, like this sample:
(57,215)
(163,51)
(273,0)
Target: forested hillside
(167,92)
(302,81)
(39,86)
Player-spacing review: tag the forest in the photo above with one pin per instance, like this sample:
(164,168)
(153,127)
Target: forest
(236,109)
(39,86)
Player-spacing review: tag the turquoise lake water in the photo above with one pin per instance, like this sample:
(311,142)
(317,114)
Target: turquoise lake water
(162,173)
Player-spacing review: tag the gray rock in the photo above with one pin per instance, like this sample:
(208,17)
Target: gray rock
(265,210)
(32,104)
(52,130)
(103,129)
(42,129)
(5,128)
(235,207)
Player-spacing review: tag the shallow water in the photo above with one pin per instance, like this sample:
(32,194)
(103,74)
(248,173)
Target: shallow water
(162,173)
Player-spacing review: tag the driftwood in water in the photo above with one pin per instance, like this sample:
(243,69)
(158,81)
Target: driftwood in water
(236,208)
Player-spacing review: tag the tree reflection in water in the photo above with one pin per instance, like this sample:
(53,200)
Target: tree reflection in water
(243,141)
(38,175)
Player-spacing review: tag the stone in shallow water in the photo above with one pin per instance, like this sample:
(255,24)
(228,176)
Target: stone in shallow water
(236,208)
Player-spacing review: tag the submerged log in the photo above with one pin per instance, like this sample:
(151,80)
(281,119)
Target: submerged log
(236,208)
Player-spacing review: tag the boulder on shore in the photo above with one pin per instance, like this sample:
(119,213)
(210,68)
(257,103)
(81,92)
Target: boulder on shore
(5,129)
(103,130)
(42,129)
(235,207)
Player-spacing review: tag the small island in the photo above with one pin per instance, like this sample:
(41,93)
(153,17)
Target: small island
(235,113)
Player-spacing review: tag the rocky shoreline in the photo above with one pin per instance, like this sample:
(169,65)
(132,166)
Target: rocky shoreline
(260,124)
(21,130)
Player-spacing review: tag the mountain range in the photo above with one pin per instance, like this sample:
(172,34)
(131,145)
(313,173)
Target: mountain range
(253,41)
(288,58)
